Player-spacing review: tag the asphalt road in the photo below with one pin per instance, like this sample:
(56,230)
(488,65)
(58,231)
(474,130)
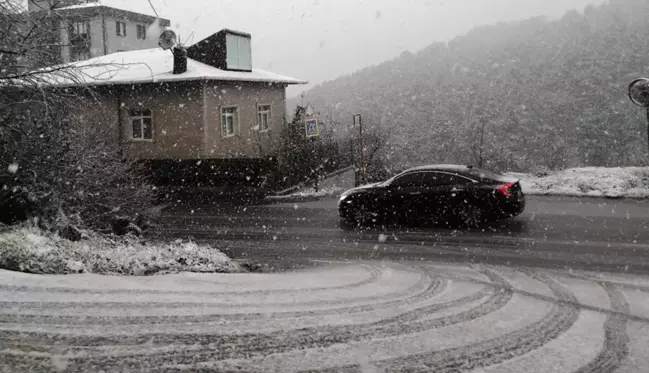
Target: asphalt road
(554,232)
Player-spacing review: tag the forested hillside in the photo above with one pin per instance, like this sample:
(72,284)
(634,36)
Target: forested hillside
(519,96)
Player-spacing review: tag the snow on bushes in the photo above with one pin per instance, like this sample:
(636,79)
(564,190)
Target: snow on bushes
(618,182)
(308,193)
(35,251)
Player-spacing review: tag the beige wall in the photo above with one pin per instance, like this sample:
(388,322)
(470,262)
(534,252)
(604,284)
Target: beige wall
(114,43)
(65,41)
(129,42)
(96,37)
(177,121)
(187,123)
(248,142)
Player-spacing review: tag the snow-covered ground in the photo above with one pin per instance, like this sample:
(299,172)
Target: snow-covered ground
(309,193)
(630,182)
(354,317)
(35,251)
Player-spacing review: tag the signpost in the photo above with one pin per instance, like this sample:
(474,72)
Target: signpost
(311,126)
(639,95)
(312,129)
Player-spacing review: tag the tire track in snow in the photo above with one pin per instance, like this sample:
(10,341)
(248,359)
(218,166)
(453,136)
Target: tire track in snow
(428,303)
(240,346)
(434,287)
(373,270)
(490,352)
(616,345)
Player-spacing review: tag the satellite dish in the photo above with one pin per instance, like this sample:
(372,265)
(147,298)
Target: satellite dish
(639,92)
(167,39)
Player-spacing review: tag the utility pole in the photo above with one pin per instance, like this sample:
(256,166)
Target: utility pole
(358,121)
(648,129)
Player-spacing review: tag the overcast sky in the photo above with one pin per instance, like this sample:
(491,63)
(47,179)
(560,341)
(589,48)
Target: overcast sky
(319,40)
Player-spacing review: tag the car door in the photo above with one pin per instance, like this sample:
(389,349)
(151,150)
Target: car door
(431,199)
(451,192)
(404,193)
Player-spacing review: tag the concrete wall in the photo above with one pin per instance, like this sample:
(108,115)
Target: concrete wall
(115,43)
(177,121)
(187,119)
(96,37)
(248,141)
(65,41)
(103,33)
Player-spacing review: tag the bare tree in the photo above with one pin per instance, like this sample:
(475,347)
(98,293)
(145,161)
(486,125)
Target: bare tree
(54,164)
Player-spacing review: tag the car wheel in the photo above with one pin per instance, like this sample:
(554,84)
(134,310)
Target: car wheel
(361,215)
(471,216)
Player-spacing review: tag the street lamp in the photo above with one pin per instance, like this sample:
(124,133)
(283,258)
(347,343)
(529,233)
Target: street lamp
(639,95)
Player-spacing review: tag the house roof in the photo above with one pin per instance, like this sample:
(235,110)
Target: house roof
(135,6)
(150,66)
(128,8)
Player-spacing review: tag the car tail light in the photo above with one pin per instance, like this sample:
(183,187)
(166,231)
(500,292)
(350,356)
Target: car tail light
(506,189)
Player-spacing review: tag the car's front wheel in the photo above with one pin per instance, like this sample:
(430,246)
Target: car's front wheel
(471,216)
(361,215)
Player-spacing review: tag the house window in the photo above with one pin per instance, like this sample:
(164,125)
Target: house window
(121,28)
(79,55)
(263,117)
(79,30)
(142,124)
(141,32)
(229,121)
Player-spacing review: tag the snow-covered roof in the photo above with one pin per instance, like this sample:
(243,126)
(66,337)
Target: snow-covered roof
(135,6)
(151,66)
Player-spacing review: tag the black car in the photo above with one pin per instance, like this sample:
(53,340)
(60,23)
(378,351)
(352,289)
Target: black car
(439,193)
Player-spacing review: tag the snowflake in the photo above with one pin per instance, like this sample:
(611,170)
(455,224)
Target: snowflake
(13,168)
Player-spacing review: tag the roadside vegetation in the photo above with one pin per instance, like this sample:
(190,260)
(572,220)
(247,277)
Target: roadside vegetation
(64,180)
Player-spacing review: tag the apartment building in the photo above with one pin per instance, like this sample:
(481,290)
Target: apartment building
(91,29)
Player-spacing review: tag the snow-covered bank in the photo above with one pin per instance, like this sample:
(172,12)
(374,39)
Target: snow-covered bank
(619,182)
(309,193)
(35,251)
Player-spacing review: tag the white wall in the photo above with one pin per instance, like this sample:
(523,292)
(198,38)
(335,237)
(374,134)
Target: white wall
(113,42)
(116,43)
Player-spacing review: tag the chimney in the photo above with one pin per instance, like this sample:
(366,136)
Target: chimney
(180,60)
(225,50)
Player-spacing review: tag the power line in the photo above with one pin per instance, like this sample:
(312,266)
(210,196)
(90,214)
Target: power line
(154,11)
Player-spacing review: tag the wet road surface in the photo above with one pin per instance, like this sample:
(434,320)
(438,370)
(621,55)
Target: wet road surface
(556,232)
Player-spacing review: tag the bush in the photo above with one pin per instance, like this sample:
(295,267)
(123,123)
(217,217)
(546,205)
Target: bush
(65,170)
(33,250)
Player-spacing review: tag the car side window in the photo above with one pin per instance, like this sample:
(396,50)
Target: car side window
(409,180)
(433,179)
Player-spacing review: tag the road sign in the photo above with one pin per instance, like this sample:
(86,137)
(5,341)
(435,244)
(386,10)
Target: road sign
(357,120)
(639,92)
(311,126)
(639,95)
